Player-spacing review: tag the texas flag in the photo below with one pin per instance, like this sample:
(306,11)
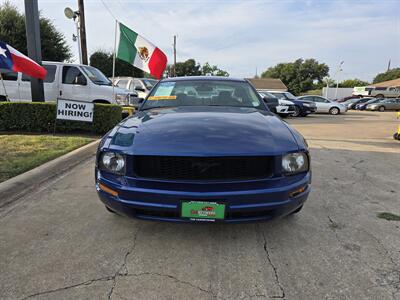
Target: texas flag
(12,59)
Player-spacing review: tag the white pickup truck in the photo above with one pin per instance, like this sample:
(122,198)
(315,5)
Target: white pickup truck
(377,92)
(67,81)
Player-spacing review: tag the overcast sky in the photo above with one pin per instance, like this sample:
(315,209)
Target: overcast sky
(240,36)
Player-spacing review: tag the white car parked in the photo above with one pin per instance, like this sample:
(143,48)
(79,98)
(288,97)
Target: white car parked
(325,105)
(67,81)
(142,86)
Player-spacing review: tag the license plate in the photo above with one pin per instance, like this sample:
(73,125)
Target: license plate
(199,210)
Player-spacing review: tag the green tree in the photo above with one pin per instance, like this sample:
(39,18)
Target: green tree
(350,83)
(207,69)
(191,68)
(388,75)
(188,68)
(13,32)
(299,76)
(103,61)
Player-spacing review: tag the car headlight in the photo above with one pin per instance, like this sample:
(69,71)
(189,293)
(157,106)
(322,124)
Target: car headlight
(294,163)
(121,99)
(306,104)
(112,162)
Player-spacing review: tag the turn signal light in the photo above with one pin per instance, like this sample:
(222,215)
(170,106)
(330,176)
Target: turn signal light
(297,192)
(108,190)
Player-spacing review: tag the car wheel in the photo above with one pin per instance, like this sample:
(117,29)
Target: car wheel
(379,96)
(296,112)
(334,111)
(381,108)
(297,210)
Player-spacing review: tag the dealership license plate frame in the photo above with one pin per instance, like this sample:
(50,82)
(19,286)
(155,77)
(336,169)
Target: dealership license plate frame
(188,204)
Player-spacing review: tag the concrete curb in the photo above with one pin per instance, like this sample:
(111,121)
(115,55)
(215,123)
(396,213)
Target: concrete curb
(16,187)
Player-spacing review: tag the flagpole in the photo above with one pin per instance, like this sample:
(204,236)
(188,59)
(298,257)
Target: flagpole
(115,50)
(4,87)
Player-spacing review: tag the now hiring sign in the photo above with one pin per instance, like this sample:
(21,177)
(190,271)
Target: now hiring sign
(74,110)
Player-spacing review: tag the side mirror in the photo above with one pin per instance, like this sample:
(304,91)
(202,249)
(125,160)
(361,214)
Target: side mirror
(265,99)
(139,88)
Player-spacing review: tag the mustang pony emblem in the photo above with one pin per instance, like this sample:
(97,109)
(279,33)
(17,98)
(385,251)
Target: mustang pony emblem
(143,53)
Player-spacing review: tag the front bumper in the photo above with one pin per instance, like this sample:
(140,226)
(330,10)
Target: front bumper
(242,205)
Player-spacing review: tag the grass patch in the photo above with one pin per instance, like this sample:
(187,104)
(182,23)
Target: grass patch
(20,153)
(388,216)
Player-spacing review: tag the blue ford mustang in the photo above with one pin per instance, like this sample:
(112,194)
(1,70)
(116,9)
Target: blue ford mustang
(203,149)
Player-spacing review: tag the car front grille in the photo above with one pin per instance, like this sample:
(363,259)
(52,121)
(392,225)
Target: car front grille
(203,168)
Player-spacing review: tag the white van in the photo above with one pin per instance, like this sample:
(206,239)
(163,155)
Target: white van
(67,81)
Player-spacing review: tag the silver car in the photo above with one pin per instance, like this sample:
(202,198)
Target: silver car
(325,105)
(387,104)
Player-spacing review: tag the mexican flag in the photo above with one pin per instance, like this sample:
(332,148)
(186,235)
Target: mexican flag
(139,52)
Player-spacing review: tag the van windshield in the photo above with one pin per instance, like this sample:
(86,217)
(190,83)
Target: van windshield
(96,76)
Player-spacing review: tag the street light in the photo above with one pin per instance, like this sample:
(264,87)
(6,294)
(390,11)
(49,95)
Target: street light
(337,80)
(71,14)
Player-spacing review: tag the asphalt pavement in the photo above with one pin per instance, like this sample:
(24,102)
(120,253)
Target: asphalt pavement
(59,242)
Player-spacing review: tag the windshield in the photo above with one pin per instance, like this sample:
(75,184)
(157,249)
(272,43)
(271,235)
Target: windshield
(203,93)
(96,76)
(289,96)
(149,83)
(372,101)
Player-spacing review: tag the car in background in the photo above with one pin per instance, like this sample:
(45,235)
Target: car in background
(325,105)
(203,149)
(359,101)
(283,108)
(347,98)
(140,85)
(302,108)
(386,104)
(363,106)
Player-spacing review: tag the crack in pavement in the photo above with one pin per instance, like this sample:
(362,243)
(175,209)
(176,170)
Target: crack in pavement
(123,266)
(87,283)
(282,296)
(173,278)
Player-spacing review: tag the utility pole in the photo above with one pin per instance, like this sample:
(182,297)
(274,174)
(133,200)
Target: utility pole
(82,31)
(174,55)
(34,46)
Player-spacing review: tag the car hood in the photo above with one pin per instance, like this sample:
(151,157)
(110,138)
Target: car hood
(204,131)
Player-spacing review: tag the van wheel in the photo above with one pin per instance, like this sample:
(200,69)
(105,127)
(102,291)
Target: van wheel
(381,108)
(99,101)
(334,111)
(379,96)
(3,99)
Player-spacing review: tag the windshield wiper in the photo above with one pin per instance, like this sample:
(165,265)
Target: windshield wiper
(147,108)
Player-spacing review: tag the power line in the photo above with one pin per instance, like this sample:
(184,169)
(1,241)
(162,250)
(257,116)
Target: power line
(109,10)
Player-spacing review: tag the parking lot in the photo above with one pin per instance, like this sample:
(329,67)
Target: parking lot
(60,243)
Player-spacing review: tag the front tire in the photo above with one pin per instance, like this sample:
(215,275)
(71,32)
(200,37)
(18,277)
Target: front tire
(379,96)
(334,111)
(296,112)
(381,108)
